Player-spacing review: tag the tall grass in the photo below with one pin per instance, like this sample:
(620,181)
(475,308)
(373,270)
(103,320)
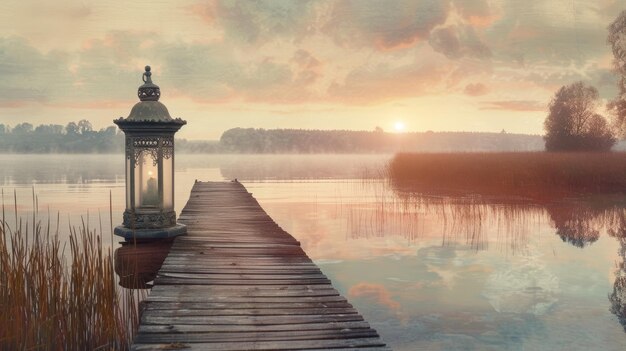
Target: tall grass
(56,296)
(537,175)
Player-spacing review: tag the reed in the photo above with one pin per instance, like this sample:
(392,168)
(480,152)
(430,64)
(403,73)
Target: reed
(56,296)
(536,175)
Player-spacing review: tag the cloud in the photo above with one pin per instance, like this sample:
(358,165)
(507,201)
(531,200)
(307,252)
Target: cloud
(457,41)
(552,78)
(554,33)
(478,13)
(309,68)
(109,69)
(369,85)
(476,89)
(384,24)
(515,105)
(255,22)
(305,59)
(343,52)
(29,75)
(377,292)
(353,24)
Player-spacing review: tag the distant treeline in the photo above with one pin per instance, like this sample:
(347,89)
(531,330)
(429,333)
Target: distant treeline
(248,140)
(79,137)
(75,137)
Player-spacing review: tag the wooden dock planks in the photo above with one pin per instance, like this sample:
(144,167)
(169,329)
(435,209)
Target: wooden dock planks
(237,281)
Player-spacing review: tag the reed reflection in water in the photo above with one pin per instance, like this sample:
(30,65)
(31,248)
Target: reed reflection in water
(470,220)
(462,219)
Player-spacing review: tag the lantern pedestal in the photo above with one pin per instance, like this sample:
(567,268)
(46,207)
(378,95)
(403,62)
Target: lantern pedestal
(150,234)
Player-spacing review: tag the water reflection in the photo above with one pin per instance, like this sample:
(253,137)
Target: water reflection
(81,169)
(136,265)
(578,222)
(618,296)
(61,169)
(464,219)
(295,167)
(574,224)
(428,271)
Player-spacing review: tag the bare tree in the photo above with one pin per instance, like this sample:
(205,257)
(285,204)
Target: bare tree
(573,124)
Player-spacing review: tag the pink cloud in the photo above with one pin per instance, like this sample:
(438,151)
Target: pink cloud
(304,59)
(515,105)
(477,13)
(377,292)
(207,11)
(384,25)
(381,84)
(476,89)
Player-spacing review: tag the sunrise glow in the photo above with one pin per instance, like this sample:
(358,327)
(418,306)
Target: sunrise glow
(399,126)
(473,66)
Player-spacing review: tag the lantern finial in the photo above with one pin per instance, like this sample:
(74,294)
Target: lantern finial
(147,76)
(148,91)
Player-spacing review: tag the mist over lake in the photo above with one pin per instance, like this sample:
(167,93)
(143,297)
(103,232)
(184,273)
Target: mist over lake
(426,271)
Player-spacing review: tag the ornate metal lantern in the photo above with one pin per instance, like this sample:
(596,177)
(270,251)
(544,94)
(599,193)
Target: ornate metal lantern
(149,133)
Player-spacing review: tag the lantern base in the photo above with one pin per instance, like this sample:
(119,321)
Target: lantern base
(150,234)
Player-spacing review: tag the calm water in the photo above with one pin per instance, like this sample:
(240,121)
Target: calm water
(427,272)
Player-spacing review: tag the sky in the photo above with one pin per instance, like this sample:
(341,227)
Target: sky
(418,65)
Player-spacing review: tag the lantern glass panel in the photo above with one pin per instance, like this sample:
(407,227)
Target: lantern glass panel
(129,169)
(168,183)
(146,181)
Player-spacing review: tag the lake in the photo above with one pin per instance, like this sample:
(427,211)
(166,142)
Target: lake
(428,272)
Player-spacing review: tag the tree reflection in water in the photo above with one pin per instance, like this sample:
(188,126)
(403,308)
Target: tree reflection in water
(618,296)
(575,223)
(578,222)
(459,218)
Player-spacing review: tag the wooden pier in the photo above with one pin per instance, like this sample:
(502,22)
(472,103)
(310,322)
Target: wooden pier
(237,281)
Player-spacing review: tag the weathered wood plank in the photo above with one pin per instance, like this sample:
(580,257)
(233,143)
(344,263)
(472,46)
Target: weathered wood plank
(266,345)
(244,276)
(247,306)
(243,299)
(237,281)
(211,312)
(203,328)
(148,317)
(257,336)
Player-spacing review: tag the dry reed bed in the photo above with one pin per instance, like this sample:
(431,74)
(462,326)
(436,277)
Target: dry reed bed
(53,302)
(536,175)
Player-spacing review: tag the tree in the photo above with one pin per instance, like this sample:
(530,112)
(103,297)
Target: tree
(49,129)
(617,39)
(109,131)
(23,128)
(84,126)
(573,124)
(71,128)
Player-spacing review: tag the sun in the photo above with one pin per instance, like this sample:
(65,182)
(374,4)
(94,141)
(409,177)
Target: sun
(399,126)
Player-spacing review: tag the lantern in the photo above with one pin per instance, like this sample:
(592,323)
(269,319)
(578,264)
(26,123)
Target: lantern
(149,131)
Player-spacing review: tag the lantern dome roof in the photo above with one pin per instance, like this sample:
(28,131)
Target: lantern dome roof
(148,109)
